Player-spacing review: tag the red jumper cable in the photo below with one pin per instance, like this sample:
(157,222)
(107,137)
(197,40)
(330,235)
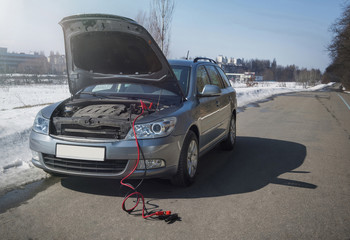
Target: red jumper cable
(136,193)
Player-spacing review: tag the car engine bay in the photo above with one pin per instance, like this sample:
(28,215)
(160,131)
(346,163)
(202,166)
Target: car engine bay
(96,119)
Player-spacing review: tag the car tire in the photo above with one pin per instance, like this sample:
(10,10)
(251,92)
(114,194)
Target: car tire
(188,162)
(230,141)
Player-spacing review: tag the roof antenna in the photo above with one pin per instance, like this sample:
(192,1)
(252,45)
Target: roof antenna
(188,52)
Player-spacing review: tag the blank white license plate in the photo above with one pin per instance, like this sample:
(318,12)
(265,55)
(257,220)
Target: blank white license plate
(80,152)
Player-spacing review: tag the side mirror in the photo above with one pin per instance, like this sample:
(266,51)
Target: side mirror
(210,91)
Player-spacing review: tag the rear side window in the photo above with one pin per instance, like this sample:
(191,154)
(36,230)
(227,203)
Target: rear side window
(202,78)
(214,76)
(224,77)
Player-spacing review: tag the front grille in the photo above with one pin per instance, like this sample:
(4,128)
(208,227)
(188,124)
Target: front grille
(83,166)
(96,132)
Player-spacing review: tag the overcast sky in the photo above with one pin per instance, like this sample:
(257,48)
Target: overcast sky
(292,31)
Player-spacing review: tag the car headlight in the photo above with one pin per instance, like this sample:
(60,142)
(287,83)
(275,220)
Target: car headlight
(41,124)
(156,129)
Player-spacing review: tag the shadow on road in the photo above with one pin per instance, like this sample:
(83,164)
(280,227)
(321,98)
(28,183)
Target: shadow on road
(255,163)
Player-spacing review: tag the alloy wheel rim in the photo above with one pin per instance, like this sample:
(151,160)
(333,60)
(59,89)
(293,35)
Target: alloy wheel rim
(192,158)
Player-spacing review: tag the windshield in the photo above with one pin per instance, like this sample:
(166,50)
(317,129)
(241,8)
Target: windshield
(131,91)
(182,74)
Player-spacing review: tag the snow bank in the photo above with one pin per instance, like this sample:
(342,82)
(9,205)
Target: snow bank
(24,95)
(15,126)
(254,94)
(15,123)
(264,90)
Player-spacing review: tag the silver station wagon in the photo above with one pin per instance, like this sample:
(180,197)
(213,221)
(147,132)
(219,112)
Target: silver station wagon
(114,68)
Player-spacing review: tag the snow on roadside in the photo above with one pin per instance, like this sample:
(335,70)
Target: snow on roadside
(15,165)
(246,95)
(24,95)
(15,124)
(254,94)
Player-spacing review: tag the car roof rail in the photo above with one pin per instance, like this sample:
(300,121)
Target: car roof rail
(205,59)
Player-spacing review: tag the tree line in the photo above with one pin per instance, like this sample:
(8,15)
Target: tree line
(339,51)
(273,72)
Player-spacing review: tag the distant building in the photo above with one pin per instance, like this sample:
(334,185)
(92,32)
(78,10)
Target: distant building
(57,63)
(236,77)
(22,63)
(241,77)
(259,78)
(219,59)
(233,61)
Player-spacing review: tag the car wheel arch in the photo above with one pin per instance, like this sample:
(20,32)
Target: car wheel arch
(194,129)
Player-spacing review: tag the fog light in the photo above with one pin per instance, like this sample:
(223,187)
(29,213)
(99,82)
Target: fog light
(35,155)
(141,165)
(151,164)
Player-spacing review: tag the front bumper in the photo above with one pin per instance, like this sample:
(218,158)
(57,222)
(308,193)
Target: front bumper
(166,148)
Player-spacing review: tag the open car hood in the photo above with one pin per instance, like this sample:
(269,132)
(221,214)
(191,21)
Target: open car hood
(103,49)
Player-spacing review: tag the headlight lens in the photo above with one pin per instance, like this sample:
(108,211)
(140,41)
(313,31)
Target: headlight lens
(151,164)
(41,124)
(157,129)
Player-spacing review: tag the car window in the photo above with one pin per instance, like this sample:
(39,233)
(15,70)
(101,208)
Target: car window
(224,77)
(127,88)
(215,79)
(202,78)
(102,87)
(182,74)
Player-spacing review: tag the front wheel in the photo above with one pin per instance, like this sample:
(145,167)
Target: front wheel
(230,141)
(188,162)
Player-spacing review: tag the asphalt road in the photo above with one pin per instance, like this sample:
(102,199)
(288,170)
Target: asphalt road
(288,178)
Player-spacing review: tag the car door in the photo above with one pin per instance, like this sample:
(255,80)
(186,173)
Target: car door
(223,113)
(207,107)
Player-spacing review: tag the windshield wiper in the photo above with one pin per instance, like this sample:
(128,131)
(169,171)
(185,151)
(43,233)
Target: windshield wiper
(94,94)
(110,96)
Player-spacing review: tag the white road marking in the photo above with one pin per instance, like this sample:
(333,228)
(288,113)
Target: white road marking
(344,101)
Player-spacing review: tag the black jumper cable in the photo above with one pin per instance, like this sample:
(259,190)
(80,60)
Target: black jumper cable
(163,215)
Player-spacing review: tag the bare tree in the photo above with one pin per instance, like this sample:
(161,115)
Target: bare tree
(158,22)
(162,15)
(142,18)
(340,50)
